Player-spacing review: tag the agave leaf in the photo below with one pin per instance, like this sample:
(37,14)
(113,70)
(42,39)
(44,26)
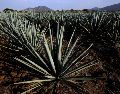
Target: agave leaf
(74,62)
(29,65)
(66,68)
(34,53)
(82,67)
(101,20)
(50,77)
(36,85)
(33,36)
(49,53)
(84,78)
(51,40)
(31,62)
(68,55)
(60,45)
(58,31)
(35,81)
(85,28)
(69,42)
(14,49)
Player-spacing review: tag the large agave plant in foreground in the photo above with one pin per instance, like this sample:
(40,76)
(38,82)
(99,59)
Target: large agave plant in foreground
(55,64)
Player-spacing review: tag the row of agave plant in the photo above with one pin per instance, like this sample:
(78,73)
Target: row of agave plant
(57,63)
(95,27)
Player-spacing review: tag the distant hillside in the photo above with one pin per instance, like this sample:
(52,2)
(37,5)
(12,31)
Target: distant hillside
(95,8)
(38,9)
(112,7)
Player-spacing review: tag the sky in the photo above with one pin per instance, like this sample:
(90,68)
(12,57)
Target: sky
(56,4)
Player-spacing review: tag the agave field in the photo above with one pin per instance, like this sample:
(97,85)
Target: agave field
(60,52)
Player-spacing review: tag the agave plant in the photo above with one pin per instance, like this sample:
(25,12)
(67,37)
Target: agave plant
(54,65)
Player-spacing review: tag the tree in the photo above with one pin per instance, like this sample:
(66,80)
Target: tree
(85,10)
(7,10)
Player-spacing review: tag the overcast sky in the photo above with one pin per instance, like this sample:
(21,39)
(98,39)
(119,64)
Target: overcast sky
(56,4)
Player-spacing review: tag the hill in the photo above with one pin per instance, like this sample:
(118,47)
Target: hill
(95,8)
(38,9)
(114,7)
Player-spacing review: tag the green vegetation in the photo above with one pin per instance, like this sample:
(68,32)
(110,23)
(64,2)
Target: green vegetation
(56,47)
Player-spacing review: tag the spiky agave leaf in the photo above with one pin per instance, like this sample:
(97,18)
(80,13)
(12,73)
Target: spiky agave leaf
(34,86)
